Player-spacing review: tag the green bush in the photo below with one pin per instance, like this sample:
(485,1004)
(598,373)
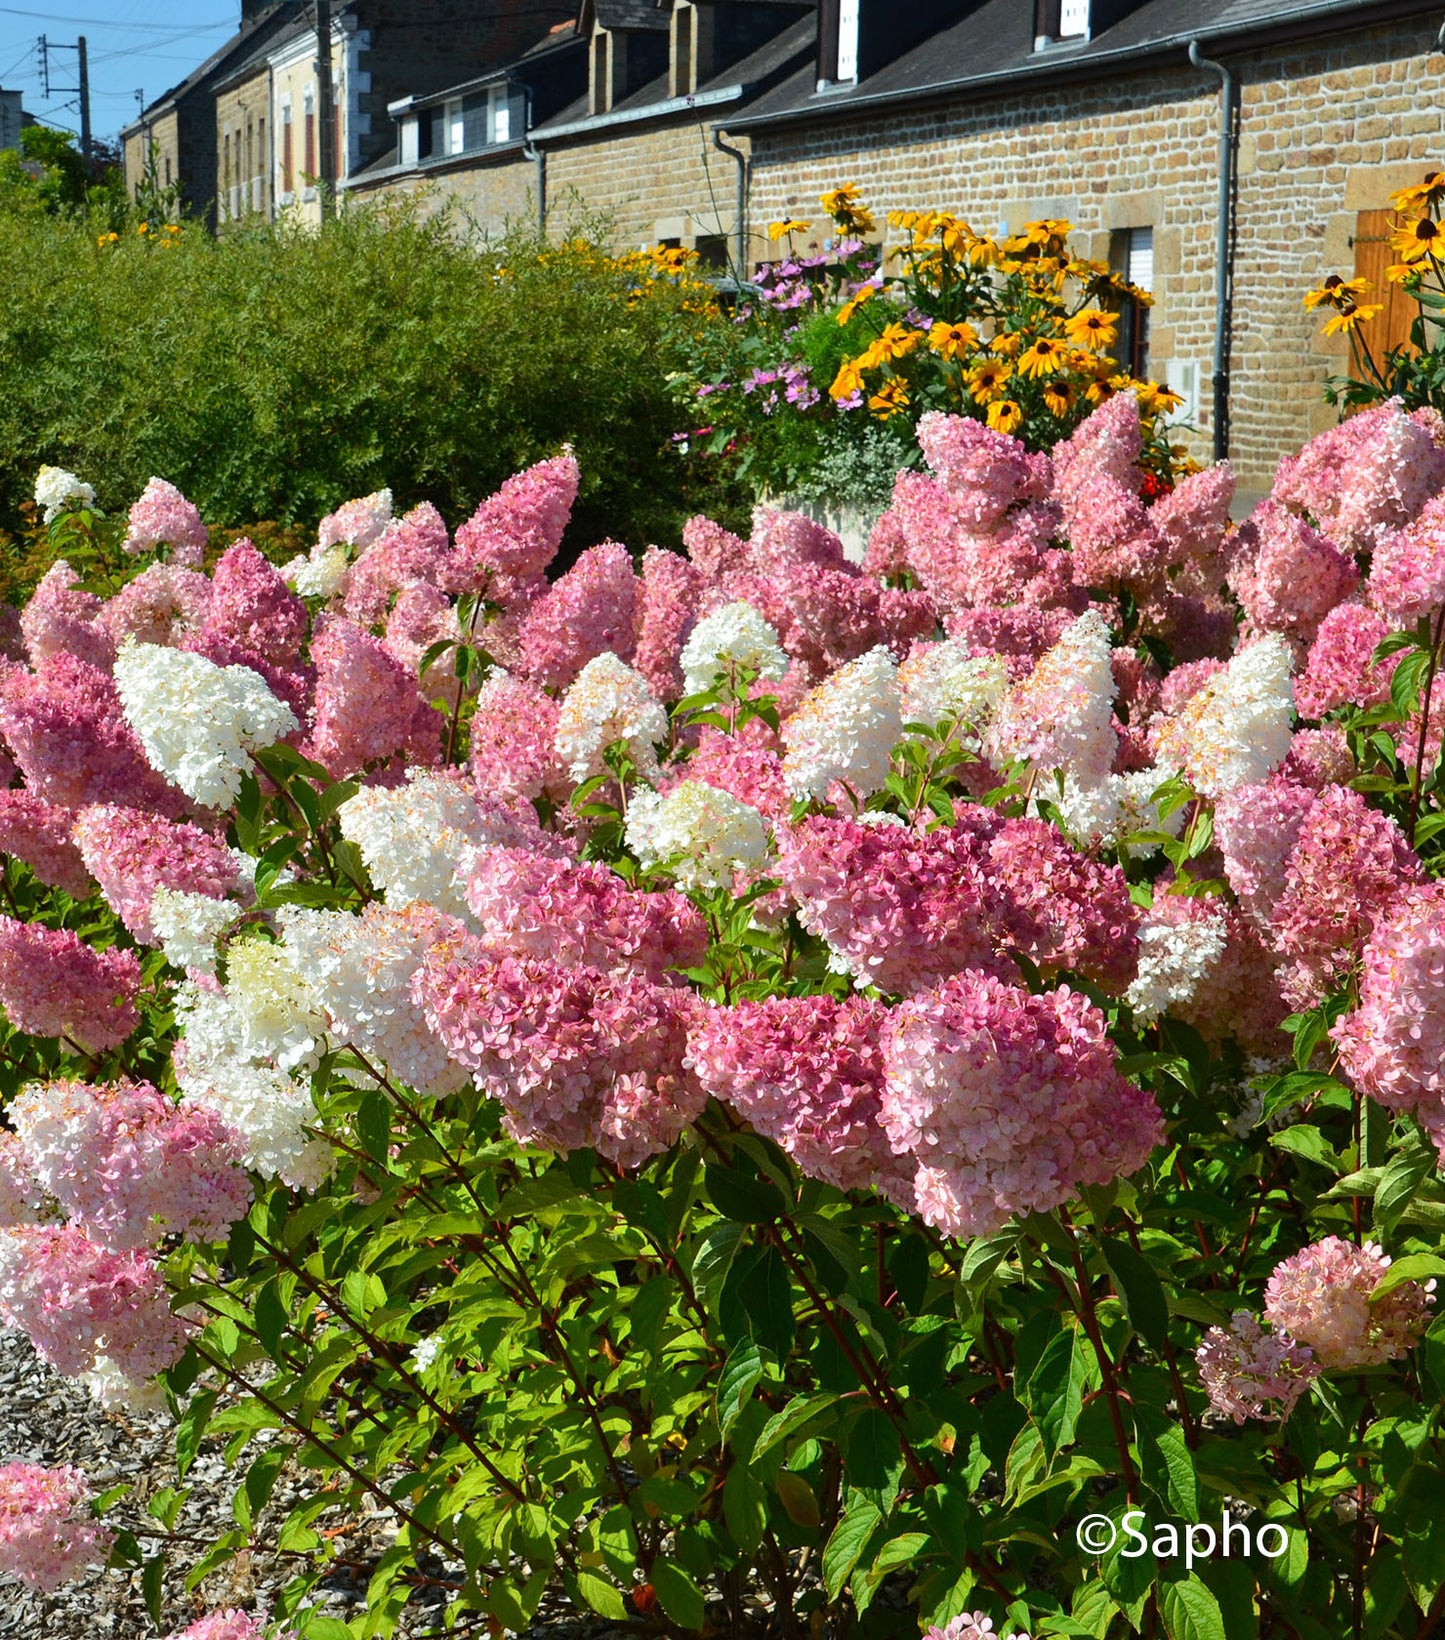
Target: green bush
(275,373)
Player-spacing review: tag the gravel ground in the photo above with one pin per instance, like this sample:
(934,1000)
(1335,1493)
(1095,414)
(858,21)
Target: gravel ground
(45,1418)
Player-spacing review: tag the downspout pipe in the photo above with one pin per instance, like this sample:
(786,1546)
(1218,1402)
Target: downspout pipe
(1224,244)
(538,157)
(741,160)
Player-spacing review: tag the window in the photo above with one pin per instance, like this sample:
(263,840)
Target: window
(456,128)
(847,40)
(838,42)
(1074,19)
(712,250)
(288,154)
(684,26)
(1372,256)
(601,88)
(308,162)
(1056,20)
(258,186)
(501,115)
(1131,256)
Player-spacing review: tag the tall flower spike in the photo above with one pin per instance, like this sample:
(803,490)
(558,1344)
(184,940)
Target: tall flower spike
(1061,715)
(609,702)
(163,517)
(845,730)
(131,854)
(591,611)
(48,1532)
(1237,728)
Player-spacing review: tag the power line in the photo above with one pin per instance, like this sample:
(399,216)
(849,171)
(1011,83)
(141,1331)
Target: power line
(105,22)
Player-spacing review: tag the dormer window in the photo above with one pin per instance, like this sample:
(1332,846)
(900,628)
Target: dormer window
(838,43)
(1056,21)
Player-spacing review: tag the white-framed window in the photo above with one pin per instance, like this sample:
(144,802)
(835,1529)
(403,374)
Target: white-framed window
(847,40)
(1074,20)
(501,114)
(456,127)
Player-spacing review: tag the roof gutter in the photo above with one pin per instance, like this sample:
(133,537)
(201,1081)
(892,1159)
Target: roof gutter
(649,111)
(1087,66)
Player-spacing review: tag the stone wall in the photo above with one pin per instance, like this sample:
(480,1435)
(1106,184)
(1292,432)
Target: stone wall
(1326,131)
(489,193)
(243,142)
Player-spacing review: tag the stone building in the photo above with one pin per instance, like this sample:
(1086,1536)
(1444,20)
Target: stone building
(259,84)
(1005,110)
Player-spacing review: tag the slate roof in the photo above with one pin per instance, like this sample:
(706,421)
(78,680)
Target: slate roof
(993,45)
(250,41)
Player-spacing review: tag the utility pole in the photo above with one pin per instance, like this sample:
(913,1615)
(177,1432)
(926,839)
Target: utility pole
(87,146)
(325,112)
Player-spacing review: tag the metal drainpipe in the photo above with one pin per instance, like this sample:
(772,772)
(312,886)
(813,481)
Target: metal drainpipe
(538,157)
(1223,296)
(742,164)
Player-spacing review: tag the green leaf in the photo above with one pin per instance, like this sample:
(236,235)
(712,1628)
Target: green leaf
(271,1318)
(1190,1611)
(745,1508)
(871,1453)
(799,1499)
(743,1196)
(791,1421)
(1054,1393)
(1140,1289)
(757,1300)
(678,1595)
(1168,1467)
(1402,1178)
(373,1125)
(740,1376)
(1412,1267)
(601,1596)
(850,1537)
(152,1585)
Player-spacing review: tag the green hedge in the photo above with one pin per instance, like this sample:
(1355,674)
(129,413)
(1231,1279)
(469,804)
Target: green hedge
(274,373)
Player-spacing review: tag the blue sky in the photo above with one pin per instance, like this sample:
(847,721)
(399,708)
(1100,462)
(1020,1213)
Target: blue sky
(133,45)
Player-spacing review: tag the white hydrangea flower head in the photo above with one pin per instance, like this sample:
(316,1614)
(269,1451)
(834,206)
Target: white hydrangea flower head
(940,681)
(733,636)
(111,1390)
(705,835)
(1237,728)
(56,489)
(845,729)
(278,1013)
(321,575)
(231,1060)
(607,702)
(1174,958)
(419,840)
(361,969)
(197,722)
(358,523)
(1061,715)
(188,926)
(1103,814)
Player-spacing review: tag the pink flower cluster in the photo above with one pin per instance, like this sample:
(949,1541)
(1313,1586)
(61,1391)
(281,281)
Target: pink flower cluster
(127,1166)
(1322,1298)
(48,1531)
(163,517)
(230,1624)
(131,854)
(1250,1372)
(53,984)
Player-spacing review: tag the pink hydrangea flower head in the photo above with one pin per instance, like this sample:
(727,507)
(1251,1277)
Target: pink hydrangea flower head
(1111,534)
(413,548)
(807,1073)
(1064,910)
(130,1168)
(131,854)
(1061,716)
(1249,1372)
(1193,517)
(229,1625)
(785,540)
(515,534)
(22,1199)
(1392,1045)
(575,1057)
(163,517)
(53,984)
(1106,444)
(65,728)
(712,550)
(1321,1297)
(513,741)
(668,605)
(1370,475)
(1007,1102)
(48,1532)
(1348,863)
(163,604)
(901,909)
(1023,635)
(1256,828)
(591,611)
(421,616)
(79,1303)
(1184,682)
(983,472)
(1407,572)
(38,833)
(747,765)
(1238,998)
(253,607)
(1287,576)
(582,913)
(1341,668)
(1319,758)
(886,556)
(356,523)
(369,707)
(969,1626)
(61,619)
